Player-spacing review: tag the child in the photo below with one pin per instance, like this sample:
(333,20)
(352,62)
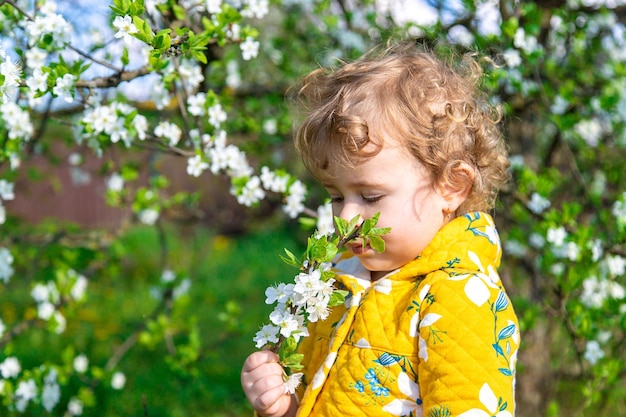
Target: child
(427,329)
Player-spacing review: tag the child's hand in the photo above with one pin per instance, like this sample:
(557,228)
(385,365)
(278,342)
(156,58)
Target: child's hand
(262,381)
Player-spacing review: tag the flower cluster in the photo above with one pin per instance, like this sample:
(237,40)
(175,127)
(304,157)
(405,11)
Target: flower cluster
(51,295)
(312,294)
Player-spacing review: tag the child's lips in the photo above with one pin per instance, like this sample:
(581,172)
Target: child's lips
(359,249)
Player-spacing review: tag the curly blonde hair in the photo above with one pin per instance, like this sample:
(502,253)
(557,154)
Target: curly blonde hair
(409,94)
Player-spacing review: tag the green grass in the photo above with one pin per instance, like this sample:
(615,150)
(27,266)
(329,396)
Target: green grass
(229,277)
(225,305)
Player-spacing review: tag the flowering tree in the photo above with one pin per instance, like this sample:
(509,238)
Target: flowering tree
(214,73)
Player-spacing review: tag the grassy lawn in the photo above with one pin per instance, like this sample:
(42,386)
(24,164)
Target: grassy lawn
(224,307)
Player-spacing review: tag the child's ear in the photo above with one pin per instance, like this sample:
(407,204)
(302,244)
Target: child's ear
(456,183)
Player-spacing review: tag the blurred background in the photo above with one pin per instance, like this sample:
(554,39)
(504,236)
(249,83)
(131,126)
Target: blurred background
(156,276)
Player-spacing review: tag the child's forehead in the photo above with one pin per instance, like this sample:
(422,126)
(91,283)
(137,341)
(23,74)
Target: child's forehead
(391,157)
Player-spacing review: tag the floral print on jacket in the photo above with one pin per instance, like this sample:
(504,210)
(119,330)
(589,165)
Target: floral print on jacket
(437,337)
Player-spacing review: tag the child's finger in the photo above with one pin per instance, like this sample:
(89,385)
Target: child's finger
(273,402)
(259,358)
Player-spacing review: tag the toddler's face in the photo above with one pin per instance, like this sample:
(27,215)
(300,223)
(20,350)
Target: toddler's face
(395,184)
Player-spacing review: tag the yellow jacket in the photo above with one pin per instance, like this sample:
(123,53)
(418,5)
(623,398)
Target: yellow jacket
(437,337)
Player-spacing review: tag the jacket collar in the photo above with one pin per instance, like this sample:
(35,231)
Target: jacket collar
(469,242)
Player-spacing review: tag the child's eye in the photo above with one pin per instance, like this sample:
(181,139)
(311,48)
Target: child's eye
(372,200)
(335,200)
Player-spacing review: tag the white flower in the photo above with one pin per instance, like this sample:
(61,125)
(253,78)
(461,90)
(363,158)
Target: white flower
(195,104)
(286,321)
(234,32)
(596,249)
(251,193)
(118,381)
(590,130)
(256,8)
(115,182)
(6,190)
(460,35)
(148,216)
(50,26)
(125,28)
(78,289)
(45,310)
(616,265)
(572,251)
(168,276)
(6,268)
(295,199)
(230,158)
(216,115)
(318,309)
(195,166)
(81,363)
(556,236)
(40,293)
(515,248)
(140,123)
(75,407)
(512,58)
(191,73)
(160,95)
(168,131)
(51,393)
(12,72)
(270,126)
(64,86)
(538,204)
(181,289)
(593,352)
(249,48)
(75,159)
(307,285)
(35,59)
(10,368)
(267,334)
(325,220)
(214,6)
(559,106)
(233,76)
(526,43)
(26,391)
(280,293)
(292,383)
(619,209)
(272,181)
(17,121)
(596,291)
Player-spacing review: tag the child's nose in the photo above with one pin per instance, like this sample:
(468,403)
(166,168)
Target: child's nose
(349,210)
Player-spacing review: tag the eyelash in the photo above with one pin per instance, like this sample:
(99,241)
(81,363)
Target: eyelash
(368,200)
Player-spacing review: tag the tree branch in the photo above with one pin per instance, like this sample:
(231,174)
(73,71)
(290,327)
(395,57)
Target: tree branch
(113,80)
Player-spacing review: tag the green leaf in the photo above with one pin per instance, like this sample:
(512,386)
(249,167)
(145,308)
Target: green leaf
(342,226)
(124,58)
(290,259)
(377,243)
(337,298)
(293,360)
(288,346)
(353,224)
(145,33)
(199,55)
(377,231)
(136,8)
